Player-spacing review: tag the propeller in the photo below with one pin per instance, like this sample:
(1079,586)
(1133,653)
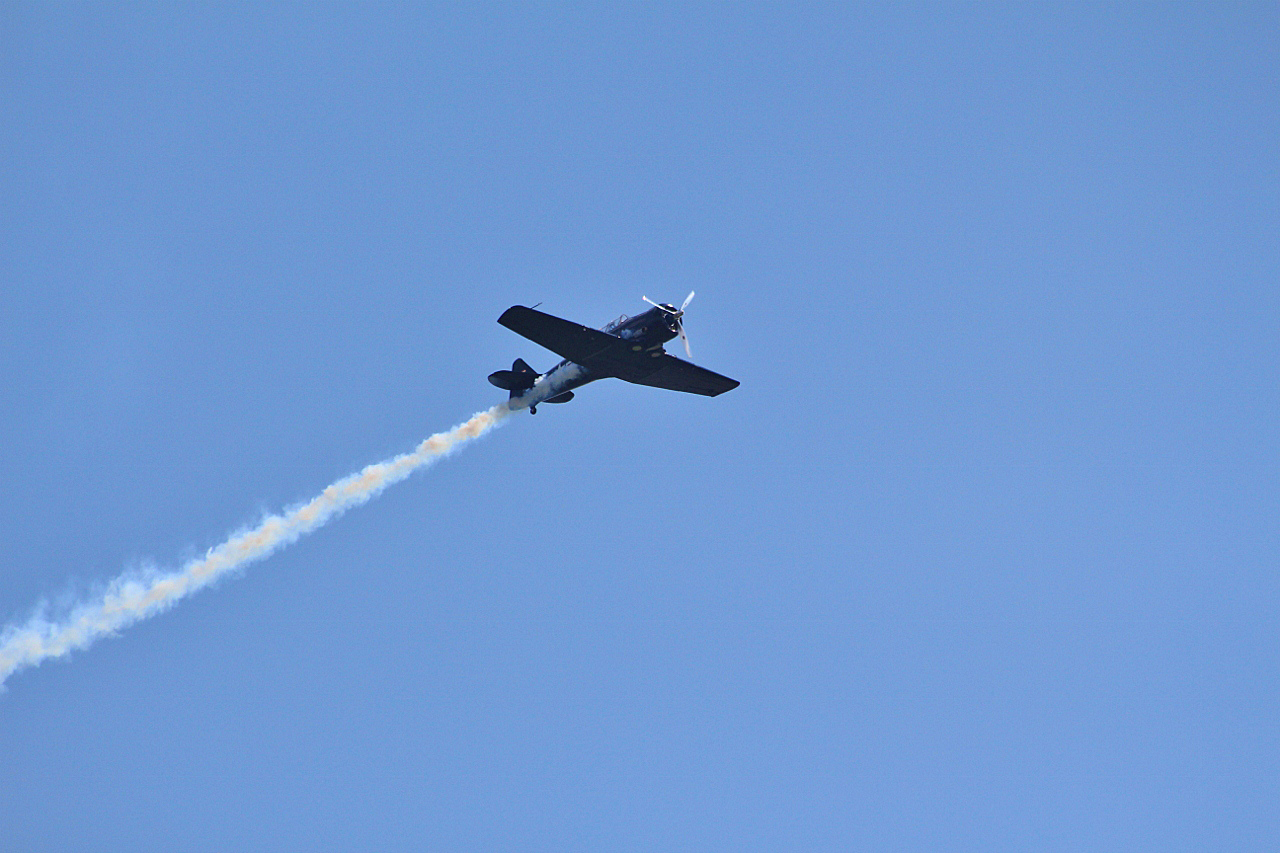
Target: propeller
(677,315)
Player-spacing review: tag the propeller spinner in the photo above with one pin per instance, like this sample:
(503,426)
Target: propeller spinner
(677,314)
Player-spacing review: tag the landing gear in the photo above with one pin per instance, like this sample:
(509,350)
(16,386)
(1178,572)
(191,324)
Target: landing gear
(533,410)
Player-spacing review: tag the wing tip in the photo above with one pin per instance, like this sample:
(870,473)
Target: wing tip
(729,386)
(510,314)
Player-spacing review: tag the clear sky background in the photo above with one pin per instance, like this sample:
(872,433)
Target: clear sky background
(981,555)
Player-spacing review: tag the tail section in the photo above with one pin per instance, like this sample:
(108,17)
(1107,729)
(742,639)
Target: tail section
(517,380)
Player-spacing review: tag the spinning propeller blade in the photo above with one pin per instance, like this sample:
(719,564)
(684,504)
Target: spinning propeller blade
(678,315)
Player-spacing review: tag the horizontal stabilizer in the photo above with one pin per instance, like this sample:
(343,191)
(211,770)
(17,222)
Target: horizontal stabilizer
(518,379)
(505,379)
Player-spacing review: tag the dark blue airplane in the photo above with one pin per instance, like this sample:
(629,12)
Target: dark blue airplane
(629,348)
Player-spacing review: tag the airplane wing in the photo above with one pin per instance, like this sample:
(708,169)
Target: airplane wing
(679,375)
(579,344)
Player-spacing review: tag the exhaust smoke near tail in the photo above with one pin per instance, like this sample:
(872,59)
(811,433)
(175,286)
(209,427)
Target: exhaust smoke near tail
(137,595)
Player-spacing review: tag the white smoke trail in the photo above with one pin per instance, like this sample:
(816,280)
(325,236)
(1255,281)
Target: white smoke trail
(137,595)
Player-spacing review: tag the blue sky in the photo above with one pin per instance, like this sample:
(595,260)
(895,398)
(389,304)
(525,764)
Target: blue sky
(981,555)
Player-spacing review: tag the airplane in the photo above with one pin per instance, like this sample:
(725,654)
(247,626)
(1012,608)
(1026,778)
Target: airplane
(629,348)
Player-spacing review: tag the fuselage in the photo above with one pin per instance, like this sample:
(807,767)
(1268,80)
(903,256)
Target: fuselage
(646,332)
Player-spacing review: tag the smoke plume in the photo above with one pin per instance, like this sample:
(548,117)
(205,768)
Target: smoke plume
(137,595)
